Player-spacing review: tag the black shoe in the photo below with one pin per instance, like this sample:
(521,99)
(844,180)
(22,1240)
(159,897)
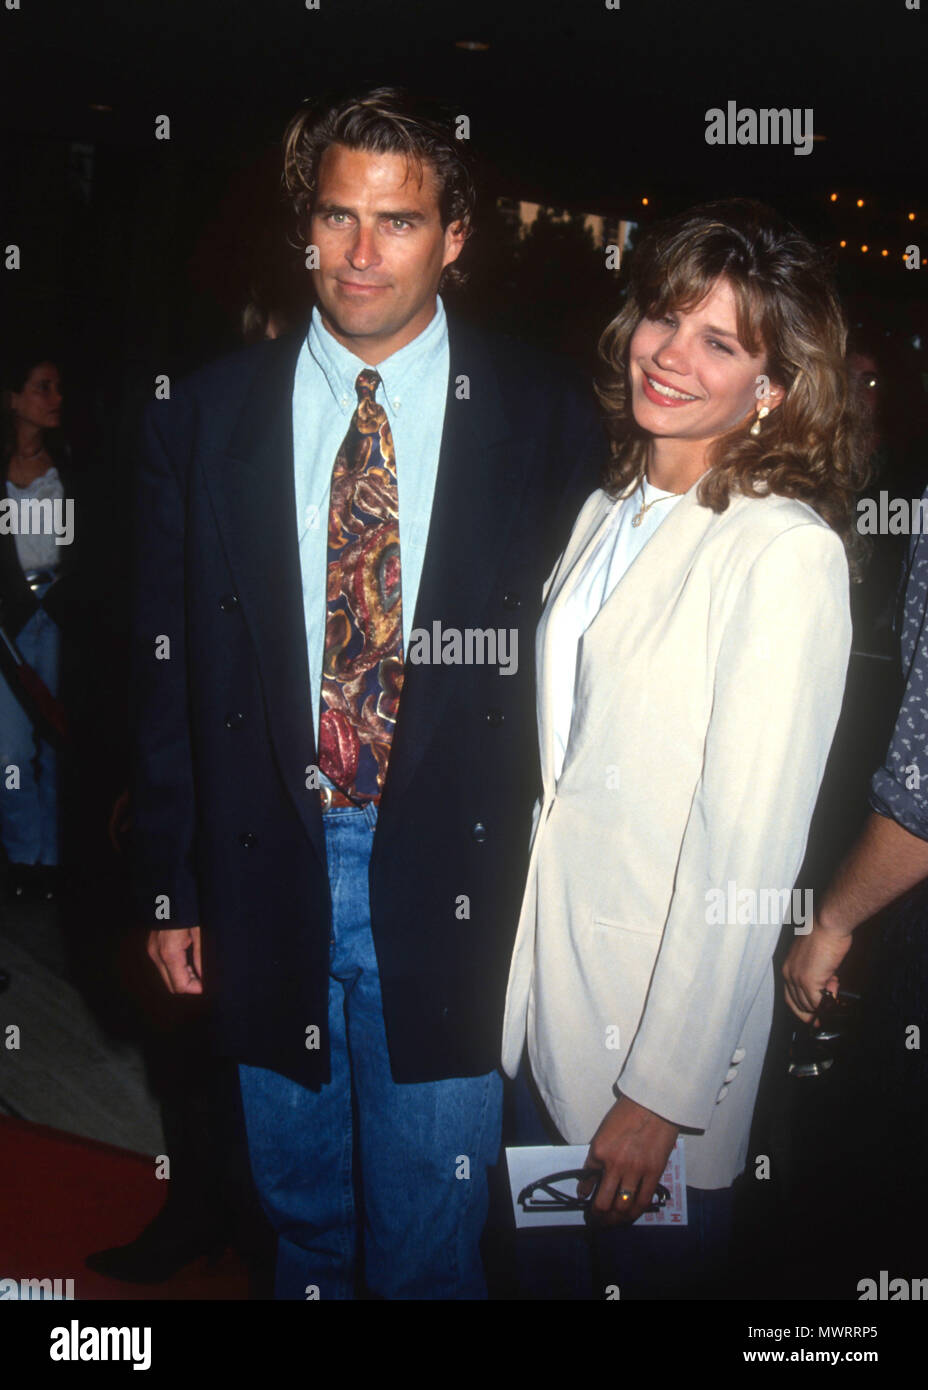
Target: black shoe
(163,1248)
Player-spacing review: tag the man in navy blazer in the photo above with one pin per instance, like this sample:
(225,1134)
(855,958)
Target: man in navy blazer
(354,948)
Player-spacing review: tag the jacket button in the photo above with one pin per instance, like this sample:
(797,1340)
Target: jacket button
(479,832)
(512,600)
(228,602)
(234,721)
(495,717)
(249,840)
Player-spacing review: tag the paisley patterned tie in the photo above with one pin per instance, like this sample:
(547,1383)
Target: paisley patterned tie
(362,671)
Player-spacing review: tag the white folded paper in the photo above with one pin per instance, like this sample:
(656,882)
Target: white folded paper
(529,1166)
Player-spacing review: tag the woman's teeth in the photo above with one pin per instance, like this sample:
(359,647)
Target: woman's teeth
(669,391)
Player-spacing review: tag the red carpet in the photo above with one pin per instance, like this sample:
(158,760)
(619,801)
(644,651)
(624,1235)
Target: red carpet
(62,1196)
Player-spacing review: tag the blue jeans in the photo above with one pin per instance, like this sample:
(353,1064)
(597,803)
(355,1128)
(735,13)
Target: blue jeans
(416,1155)
(29,813)
(640,1262)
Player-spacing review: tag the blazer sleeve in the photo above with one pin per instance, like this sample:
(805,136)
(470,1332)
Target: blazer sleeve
(777,695)
(162,785)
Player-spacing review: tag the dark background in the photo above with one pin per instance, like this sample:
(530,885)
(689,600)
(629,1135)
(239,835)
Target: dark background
(143,250)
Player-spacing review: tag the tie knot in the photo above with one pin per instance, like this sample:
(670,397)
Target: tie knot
(366,384)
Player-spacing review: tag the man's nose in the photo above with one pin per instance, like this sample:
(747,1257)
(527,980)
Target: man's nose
(363,252)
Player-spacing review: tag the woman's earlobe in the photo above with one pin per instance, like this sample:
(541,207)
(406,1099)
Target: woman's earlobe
(766,404)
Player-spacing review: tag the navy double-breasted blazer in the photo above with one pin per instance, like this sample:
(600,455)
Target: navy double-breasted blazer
(227,834)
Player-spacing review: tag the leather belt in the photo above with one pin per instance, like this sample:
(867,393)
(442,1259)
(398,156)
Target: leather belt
(330,798)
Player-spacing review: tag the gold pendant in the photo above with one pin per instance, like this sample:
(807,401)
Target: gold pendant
(636,520)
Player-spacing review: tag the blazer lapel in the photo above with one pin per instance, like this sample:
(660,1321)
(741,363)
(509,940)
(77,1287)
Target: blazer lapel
(586,532)
(587,529)
(478,487)
(645,586)
(657,570)
(251,486)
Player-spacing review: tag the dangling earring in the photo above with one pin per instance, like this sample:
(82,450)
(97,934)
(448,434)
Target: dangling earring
(761,415)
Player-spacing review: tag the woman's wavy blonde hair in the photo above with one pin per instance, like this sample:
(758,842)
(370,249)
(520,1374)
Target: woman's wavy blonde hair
(811,446)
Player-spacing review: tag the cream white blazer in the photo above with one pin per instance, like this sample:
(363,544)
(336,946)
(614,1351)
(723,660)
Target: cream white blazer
(708,689)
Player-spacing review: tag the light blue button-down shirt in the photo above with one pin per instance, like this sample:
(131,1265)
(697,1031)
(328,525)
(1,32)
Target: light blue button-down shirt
(413,387)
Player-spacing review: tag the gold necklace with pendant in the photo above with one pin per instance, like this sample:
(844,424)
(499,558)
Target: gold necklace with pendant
(646,506)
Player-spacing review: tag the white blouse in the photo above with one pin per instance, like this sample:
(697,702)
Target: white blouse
(39,550)
(618,545)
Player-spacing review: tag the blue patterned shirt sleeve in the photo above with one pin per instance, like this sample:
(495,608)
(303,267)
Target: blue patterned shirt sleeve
(899,788)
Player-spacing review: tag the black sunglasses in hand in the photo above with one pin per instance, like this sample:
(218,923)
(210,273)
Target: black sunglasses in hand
(543,1195)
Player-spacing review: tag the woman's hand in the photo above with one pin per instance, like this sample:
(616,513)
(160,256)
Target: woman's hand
(811,967)
(631,1148)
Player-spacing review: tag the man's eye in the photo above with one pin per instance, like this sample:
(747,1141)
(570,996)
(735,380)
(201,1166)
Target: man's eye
(398,223)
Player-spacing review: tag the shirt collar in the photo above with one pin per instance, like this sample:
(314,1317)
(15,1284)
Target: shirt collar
(398,372)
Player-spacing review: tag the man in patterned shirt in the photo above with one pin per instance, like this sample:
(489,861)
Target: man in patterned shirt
(891,854)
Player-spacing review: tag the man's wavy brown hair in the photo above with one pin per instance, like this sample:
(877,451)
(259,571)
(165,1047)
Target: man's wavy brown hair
(812,445)
(384,120)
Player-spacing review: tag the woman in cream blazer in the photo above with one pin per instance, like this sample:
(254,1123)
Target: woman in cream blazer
(688,691)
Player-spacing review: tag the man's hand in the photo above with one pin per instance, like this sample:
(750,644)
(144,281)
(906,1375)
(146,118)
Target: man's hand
(171,950)
(631,1148)
(812,966)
